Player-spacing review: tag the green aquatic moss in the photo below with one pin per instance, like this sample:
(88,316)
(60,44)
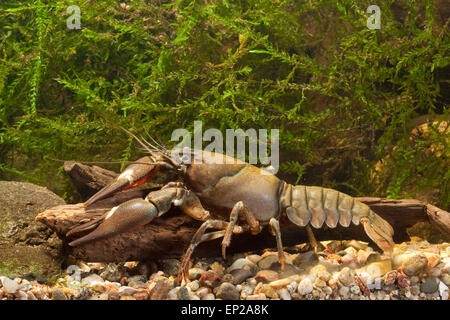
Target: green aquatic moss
(343,96)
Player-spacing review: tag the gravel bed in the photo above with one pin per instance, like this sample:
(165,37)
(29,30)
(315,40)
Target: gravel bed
(343,270)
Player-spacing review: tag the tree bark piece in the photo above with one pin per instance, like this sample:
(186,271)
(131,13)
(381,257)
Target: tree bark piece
(88,179)
(168,236)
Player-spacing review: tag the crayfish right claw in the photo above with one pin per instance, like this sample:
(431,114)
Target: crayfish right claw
(133,176)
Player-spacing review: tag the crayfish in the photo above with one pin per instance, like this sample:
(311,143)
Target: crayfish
(230,196)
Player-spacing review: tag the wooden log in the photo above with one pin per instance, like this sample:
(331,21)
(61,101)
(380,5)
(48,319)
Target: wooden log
(169,235)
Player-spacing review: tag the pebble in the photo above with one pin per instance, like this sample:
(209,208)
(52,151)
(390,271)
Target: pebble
(319,283)
(208,296)
(195,273)
(284,294)
(247,290)
(203,291)
(92,280)
(111,273)
(254,258)
(305,286)
(240,263)
(260,296)
(266,276)
(21,295)
(240,275)
(58,294)
(355,289)
(346,276)
(414,264)
(442,289)
(194,285)
(210,279)
(344,291)
(183,293)
(422,272)
(227,291)
(268,262)
(379,268)
(445,278)
(430,285)
(292,287)
(170,266)
(305,259)
(217,268)
(10,286)
(269,291)
(173,294)
(127,291)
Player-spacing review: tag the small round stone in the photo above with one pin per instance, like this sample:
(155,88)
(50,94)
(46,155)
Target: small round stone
(284,294)
(227,291)
(430,285)
(346,276)
(414,264)
(10,286)
(305,286)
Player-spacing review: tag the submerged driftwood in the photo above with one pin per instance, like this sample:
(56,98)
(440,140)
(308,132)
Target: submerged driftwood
(169,235)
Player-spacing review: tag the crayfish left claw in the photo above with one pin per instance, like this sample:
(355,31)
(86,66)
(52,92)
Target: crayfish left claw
(133,176)
(127,216)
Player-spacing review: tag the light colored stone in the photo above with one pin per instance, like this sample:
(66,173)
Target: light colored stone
(443,289)
(284,294)
(277,284)
(194,285)
(260,296)
(254,258)
(445,278)
(203,291)
(379,268)
(173,294)
(239,263)
(355,289)
(346,276)
(10,286)
(92,280)
(127,291)
(305,286)
(413,264)
(208,296)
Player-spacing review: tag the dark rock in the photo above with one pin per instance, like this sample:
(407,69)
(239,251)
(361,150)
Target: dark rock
(227,291)
(169,266)
(27,248)
(183,293)
(306,259)
(268,261)
(58,294)
(240,275)
(111,273)
(289,270)
(140,278)
(430,285)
